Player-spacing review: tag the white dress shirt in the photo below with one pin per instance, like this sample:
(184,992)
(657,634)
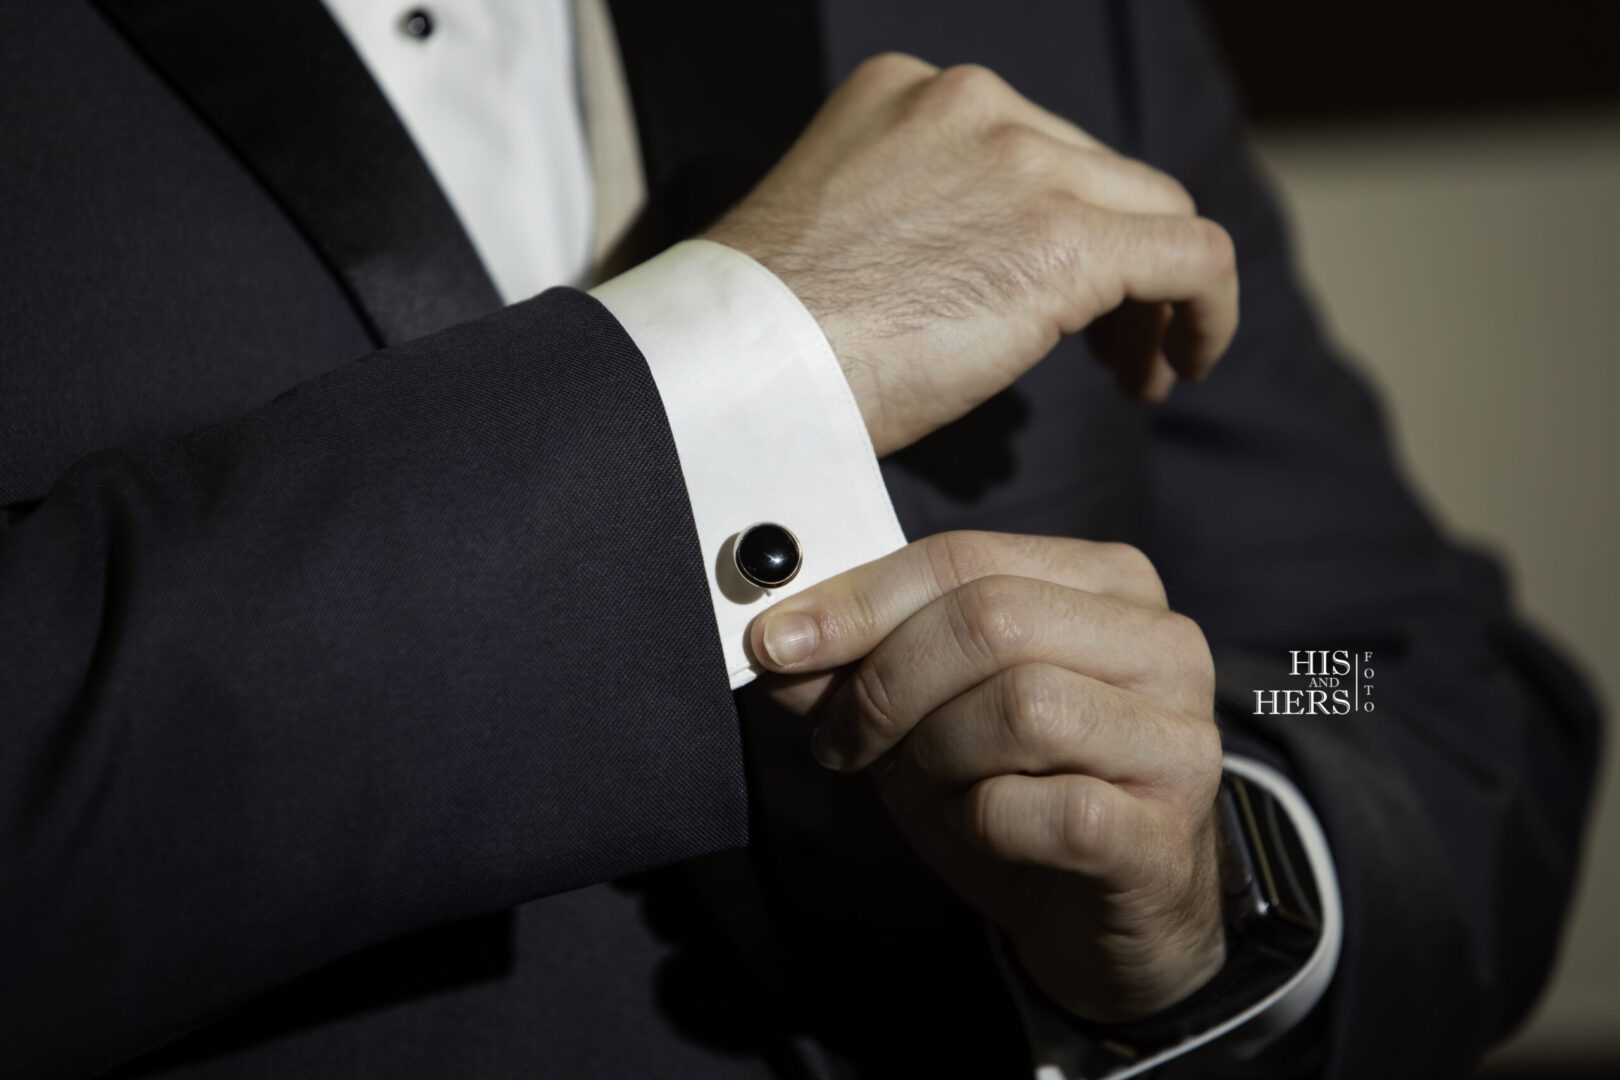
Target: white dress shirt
(750,385)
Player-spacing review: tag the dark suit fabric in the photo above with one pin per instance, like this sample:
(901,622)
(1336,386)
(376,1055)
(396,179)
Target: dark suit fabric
(378,728)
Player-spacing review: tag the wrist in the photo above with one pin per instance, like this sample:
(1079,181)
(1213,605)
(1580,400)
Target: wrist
(1281,920)
(1147,960)
(780,252)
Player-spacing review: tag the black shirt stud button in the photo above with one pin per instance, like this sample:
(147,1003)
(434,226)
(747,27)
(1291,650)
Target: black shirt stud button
(417,22)
(767,555)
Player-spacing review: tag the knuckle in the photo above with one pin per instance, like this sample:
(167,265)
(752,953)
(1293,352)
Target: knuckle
(1189,653)
(874,708)
(1019,148)
(1084,824)
(1063,226)
(956,558)
(1061,215)
(1180,195)
(1132,565)
(1181,634)
(1174,193)
(990,620)
(968,84)
(849,620)
(1055,228)
(963,92)
(887,66)
(1215,249)
(1033,704)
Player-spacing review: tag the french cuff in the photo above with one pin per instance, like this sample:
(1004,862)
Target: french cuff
(765,424)
(1061,1052)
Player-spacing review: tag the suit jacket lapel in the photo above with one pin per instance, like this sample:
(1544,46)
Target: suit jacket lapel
(285,91)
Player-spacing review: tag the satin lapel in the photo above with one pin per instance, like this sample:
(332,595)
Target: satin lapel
(720,89)
(283,88)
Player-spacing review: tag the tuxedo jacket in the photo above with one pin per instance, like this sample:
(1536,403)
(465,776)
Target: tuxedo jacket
(361,712)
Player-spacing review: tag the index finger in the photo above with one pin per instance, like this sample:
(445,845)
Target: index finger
(843,618)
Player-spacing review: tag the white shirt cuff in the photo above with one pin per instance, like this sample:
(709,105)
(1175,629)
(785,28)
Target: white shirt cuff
(1061,1053)
(764,422)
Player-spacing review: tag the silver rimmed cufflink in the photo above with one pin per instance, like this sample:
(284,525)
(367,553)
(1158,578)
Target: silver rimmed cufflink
(767,555)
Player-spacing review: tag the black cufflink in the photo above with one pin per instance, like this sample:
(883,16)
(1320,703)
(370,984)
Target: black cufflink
(767,555)
(417,22)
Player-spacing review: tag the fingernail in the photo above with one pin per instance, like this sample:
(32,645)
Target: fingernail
(826,754)
(790,638)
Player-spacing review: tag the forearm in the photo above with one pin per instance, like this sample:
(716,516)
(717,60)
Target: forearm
(390,650)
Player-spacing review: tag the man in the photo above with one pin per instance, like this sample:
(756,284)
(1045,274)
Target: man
(389,727)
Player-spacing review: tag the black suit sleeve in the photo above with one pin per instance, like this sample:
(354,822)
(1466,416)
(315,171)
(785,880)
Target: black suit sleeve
(1280,520)
(426,637)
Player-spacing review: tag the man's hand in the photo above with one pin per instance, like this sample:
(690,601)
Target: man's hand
(945,232)
(1042,731)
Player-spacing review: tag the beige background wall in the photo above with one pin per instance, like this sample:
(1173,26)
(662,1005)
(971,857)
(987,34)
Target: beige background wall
(1474,269)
